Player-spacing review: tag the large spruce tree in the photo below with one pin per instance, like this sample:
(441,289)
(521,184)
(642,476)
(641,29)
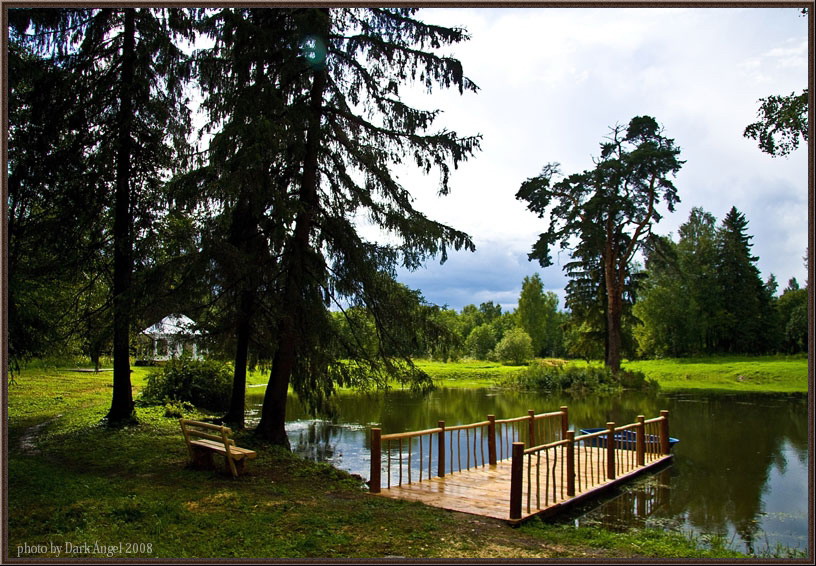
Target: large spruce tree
(128,78)
(742,322)
(356,129)
(252,80)
(679,299)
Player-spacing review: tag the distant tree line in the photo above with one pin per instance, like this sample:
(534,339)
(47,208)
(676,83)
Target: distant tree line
(700,294)
(703,294)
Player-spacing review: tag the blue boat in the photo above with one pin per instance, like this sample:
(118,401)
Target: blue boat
(626,436)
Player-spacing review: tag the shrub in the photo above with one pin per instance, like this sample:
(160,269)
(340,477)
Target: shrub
(516,348)
(546,376)
(636,380)
(206,384)
(480,341)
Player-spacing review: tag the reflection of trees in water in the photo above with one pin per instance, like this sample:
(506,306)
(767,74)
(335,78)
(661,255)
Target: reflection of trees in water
(316,441)
(723,473)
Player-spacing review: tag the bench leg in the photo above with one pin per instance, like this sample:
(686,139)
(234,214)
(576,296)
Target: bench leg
(236,467)
(201,458)
(239,466)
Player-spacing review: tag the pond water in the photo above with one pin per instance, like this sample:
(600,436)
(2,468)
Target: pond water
(739,472)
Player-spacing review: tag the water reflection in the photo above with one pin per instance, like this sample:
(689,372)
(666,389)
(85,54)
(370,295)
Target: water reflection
(740,469)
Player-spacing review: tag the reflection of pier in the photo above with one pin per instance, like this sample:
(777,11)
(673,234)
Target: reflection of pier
(636,506)
(514,468)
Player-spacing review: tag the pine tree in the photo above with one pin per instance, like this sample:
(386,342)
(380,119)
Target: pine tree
(611,209)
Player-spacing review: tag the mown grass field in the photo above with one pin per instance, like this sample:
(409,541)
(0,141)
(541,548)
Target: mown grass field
(127,493)
(778,374)
(467,373)
(736,373)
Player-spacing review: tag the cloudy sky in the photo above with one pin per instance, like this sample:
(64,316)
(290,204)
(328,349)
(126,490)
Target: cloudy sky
(553,80)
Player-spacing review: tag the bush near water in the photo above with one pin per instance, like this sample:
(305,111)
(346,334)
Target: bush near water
(558,375)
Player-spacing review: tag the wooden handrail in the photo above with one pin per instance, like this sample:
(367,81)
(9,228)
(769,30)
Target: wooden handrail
(513,420)
(548,415)
(541,447)
(468,426)
(591,435)
(412,434)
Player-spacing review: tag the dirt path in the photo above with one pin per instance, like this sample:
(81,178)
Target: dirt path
(28,440)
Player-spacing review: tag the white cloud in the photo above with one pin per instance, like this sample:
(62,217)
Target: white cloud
(553,80)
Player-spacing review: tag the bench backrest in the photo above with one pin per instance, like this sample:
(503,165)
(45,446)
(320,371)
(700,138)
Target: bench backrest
(198,429)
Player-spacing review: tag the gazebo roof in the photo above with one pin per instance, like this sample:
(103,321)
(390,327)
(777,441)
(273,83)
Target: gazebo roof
(173,325)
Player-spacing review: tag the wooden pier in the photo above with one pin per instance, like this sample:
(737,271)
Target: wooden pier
(512,469)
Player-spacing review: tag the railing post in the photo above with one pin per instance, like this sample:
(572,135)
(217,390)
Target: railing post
(376,461)
(664,432)
(610,451)
(441,444)
(564,422)
(640,441)
(516,476)
(570,463)
(491,439)
(531,439)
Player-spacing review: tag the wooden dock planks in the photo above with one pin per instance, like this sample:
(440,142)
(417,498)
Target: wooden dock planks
(485,490)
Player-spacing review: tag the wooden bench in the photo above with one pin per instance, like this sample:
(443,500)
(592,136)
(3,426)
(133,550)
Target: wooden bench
(203,439)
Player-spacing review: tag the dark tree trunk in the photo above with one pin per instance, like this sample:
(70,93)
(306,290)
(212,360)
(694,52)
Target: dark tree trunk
(122,403)
(614,333)
(273,414)
(614,309)
(235,414)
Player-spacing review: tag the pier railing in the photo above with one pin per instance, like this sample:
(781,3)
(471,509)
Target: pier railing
(548,462)
(549,473)
(416,456)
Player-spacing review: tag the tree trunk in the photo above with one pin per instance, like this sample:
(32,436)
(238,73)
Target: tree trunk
(614,312)
(122,402)
(614,333)
(273,414)
(235,414)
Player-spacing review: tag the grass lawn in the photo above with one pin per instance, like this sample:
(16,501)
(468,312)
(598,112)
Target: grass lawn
(778,374)
(467,373)
(83,490)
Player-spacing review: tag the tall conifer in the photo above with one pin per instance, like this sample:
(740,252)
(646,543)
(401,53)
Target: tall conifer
(129,79)
(357,128)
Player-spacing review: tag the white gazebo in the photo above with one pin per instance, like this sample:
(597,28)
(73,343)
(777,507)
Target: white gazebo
(169,338)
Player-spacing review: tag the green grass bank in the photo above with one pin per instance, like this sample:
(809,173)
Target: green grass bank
(770,374)
(82,490)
